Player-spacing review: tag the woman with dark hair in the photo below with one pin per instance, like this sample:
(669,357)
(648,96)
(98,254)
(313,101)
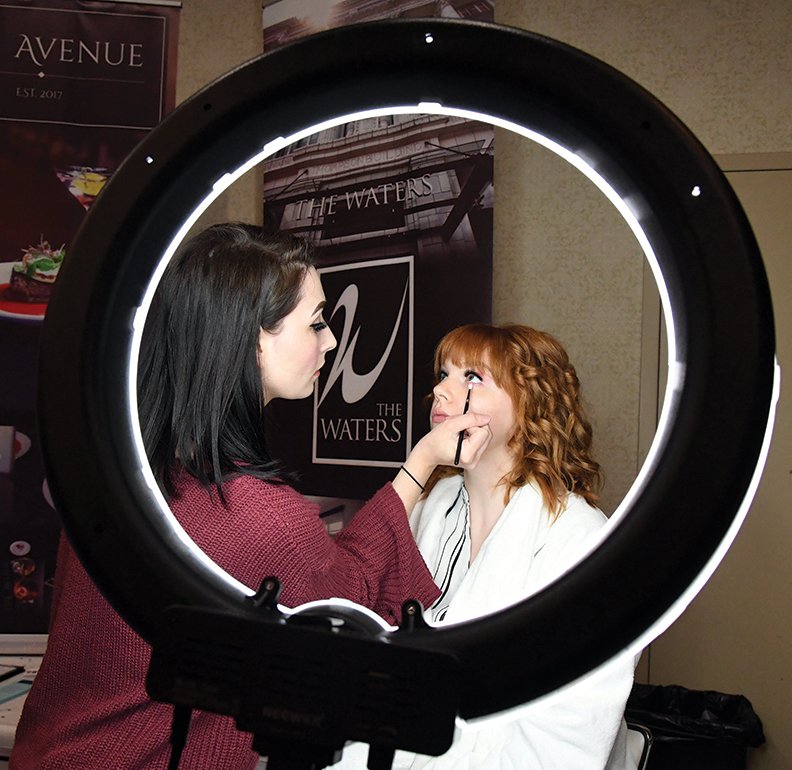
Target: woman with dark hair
(236,322)
(500,531)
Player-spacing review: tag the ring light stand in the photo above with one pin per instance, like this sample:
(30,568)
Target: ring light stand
(667,537)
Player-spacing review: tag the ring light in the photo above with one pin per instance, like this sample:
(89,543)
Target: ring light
(685,507)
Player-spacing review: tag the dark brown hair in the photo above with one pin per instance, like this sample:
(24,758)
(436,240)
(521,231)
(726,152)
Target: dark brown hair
(199,385)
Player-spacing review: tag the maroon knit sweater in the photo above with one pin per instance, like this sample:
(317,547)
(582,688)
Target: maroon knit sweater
(88,707)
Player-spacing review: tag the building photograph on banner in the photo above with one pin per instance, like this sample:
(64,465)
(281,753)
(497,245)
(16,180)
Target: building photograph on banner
(287,20)
(80,85)
(399,209)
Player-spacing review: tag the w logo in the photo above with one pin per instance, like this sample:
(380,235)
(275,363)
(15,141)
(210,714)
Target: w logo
(354,385)
(363,402)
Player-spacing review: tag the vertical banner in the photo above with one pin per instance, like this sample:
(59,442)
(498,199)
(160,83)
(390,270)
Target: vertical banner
(399,208)
(362,406)
(81,83)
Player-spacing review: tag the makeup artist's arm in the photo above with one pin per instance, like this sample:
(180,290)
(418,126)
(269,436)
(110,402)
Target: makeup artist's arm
(438,447)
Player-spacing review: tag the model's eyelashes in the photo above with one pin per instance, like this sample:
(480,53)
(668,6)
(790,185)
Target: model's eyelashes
(319,326)
(470,376)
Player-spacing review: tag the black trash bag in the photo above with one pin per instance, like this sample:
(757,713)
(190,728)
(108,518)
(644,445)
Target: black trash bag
(677,712)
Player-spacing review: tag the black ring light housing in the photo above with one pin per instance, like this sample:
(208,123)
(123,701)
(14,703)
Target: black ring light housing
(718,407)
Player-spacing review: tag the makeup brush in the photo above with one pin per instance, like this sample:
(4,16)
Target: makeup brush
(462,433)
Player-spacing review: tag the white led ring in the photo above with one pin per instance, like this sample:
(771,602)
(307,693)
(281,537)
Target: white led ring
(691,495)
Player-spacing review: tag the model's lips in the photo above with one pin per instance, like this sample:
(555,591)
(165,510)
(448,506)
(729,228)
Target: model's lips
(438,417)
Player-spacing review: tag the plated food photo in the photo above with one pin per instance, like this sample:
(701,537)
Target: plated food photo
(26,286)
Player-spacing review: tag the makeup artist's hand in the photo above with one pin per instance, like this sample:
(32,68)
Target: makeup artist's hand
(476,437)
(438,447)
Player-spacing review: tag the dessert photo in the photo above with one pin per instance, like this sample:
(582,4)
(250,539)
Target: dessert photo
(26,286)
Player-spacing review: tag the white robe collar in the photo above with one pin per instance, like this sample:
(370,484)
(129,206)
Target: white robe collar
(512,563)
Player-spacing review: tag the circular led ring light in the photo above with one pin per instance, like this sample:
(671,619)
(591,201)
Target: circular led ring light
(688,502)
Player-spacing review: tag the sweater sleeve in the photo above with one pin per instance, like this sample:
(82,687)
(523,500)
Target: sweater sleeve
(380,535)
(269,529)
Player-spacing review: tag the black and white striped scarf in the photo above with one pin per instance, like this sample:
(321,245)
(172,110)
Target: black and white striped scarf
(454,559)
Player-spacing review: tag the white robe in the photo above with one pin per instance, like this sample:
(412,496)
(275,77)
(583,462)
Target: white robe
(579,728)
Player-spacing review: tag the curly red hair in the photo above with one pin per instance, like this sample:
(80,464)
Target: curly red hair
(552,439)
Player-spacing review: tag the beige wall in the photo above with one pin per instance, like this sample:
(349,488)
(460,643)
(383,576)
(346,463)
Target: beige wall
(722,65)
(736,636)
(724,68)
(216,36)
(564,261)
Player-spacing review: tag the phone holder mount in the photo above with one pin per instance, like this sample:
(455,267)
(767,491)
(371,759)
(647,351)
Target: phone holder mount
(305,683)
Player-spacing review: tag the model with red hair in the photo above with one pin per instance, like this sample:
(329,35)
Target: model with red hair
(498,531)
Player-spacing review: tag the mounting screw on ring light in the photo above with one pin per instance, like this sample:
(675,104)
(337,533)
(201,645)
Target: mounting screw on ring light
(690,495)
